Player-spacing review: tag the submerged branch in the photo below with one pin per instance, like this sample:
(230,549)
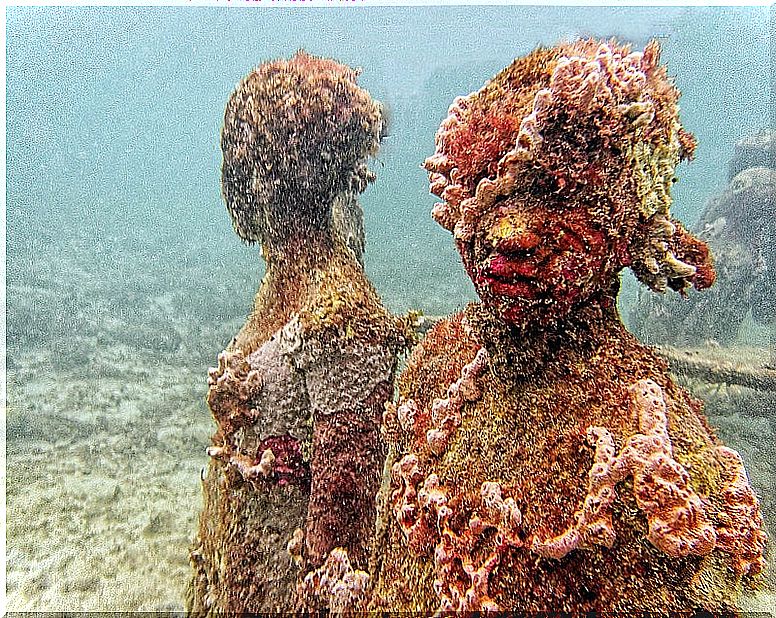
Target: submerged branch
(716,372)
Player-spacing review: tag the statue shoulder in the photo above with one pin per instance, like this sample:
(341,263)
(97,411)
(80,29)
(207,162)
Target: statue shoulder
(437,361)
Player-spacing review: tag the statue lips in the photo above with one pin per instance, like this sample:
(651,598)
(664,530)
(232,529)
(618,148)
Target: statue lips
(511,277)
(531,264)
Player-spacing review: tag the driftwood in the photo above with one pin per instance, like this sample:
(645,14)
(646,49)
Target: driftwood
(681,362)
(715,372)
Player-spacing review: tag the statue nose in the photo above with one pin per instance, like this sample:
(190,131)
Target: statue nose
(522,241)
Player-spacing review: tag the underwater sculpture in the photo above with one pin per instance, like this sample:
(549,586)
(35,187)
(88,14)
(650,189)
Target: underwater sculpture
(541,458)
(738,224)
(299,393)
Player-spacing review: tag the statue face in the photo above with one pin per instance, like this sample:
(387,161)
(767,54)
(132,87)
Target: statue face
(557,174)
(536,264)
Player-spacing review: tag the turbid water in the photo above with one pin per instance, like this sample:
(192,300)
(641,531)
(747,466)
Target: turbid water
(124,278)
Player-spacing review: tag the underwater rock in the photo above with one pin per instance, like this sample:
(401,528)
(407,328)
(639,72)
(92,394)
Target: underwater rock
(738,225)
(757,150)
(298,395)
(541,458)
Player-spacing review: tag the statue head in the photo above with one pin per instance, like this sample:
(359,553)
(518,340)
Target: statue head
(296,138)
(557,174)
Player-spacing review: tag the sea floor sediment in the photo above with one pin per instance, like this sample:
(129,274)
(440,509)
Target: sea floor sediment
(107,428)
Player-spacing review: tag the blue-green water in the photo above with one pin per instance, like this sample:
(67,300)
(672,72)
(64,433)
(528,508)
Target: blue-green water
(125,279)
(114,117)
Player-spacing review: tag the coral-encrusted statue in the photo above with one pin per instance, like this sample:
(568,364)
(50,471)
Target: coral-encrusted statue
(542,459)
(298,395)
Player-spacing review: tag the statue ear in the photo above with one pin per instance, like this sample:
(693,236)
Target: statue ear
(662,254)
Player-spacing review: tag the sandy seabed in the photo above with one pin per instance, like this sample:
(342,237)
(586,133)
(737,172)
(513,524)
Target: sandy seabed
(102,496)
(107,428)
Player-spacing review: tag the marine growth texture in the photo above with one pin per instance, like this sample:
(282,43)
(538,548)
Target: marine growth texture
(308,128)
(297,396)
(541,458)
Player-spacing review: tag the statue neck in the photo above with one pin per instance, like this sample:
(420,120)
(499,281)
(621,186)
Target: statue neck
(294,270)
(299,254)
(527,351)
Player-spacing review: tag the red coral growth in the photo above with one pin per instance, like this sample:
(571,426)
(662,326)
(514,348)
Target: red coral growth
(687,143)
(535,258)
(564,105)
(347,463)
(287,463)
(537,156)
(692,251)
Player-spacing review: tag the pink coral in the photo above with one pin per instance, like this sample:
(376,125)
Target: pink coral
(408,477)
(232,387)
(460,584)
(461,580)
(416,495)
(445,414)
(740,524)
(678,518)
(335,585)
(609,81)
(678,524)
(594,521)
